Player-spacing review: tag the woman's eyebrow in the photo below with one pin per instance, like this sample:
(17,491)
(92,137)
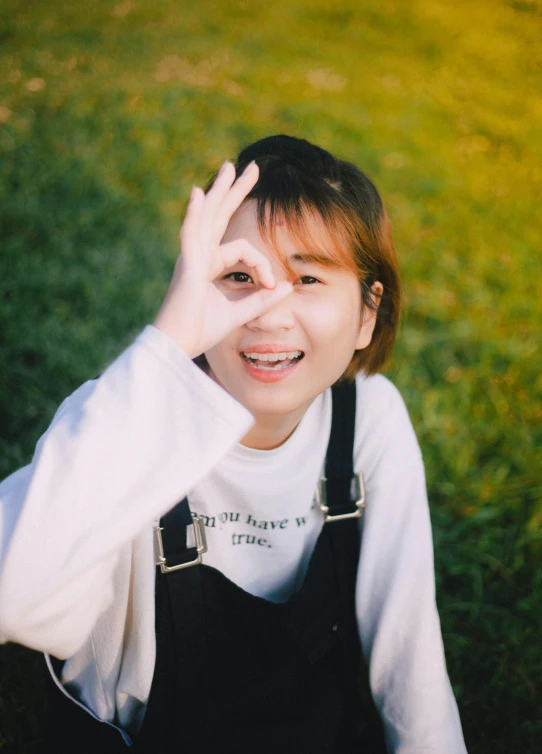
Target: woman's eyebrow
(313,257)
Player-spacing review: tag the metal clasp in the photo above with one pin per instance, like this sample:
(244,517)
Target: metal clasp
(358,492)
(201,546)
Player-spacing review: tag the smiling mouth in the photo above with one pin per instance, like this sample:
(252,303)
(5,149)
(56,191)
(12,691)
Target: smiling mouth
(272,362)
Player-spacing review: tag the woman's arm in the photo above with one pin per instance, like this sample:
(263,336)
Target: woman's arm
(397,614)
(119,453)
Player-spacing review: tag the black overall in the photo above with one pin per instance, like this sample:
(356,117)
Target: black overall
(237,674)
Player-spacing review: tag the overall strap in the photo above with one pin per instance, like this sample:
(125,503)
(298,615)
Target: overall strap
(171,538)
(341,493)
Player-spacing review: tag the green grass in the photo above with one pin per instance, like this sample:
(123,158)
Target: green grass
(110,112)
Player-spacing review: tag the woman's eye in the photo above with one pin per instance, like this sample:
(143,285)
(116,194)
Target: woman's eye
(239,277)
(308,280)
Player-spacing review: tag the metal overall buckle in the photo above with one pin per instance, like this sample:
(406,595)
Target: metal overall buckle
(201,546)
(358,492)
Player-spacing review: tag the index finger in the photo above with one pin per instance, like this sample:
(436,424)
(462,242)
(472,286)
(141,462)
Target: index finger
(235,197)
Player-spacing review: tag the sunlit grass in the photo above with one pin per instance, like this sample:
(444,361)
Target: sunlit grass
(108,114)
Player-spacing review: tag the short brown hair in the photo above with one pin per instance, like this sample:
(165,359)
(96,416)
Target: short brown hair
(299,181)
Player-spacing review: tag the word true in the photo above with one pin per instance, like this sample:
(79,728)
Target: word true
(249,539)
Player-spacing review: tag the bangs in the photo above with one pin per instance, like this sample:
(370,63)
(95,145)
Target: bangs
(316,217)
(318,239)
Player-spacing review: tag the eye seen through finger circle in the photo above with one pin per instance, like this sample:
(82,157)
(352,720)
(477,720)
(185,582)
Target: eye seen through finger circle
(239,277)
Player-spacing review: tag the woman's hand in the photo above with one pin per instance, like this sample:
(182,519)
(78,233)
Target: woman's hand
(195,314)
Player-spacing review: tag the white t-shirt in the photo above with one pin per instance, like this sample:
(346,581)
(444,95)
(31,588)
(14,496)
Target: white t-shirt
(77,563)
(259,509)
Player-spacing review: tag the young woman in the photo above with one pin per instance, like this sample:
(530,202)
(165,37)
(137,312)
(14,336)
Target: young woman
(250,420)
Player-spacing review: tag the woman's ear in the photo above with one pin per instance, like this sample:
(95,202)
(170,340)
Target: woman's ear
(368,317)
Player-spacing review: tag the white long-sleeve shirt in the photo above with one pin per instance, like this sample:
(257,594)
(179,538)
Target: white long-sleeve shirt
(76,544)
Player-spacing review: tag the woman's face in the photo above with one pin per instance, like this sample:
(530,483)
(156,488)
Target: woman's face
(313,332)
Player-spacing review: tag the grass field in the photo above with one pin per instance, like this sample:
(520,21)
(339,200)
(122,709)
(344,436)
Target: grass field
(110,112)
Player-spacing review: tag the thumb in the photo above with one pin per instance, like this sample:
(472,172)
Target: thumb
(260,301)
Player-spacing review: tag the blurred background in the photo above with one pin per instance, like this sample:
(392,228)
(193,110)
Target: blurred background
(110,111)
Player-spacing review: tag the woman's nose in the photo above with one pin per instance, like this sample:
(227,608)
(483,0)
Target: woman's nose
(279,317)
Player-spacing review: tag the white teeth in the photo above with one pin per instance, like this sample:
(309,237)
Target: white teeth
(258,359)
(273,356)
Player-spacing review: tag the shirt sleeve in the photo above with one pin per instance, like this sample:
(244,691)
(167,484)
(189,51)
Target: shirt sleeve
(119,453)
(395,599)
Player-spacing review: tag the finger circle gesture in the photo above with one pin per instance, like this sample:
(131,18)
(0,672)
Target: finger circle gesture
(195,314)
